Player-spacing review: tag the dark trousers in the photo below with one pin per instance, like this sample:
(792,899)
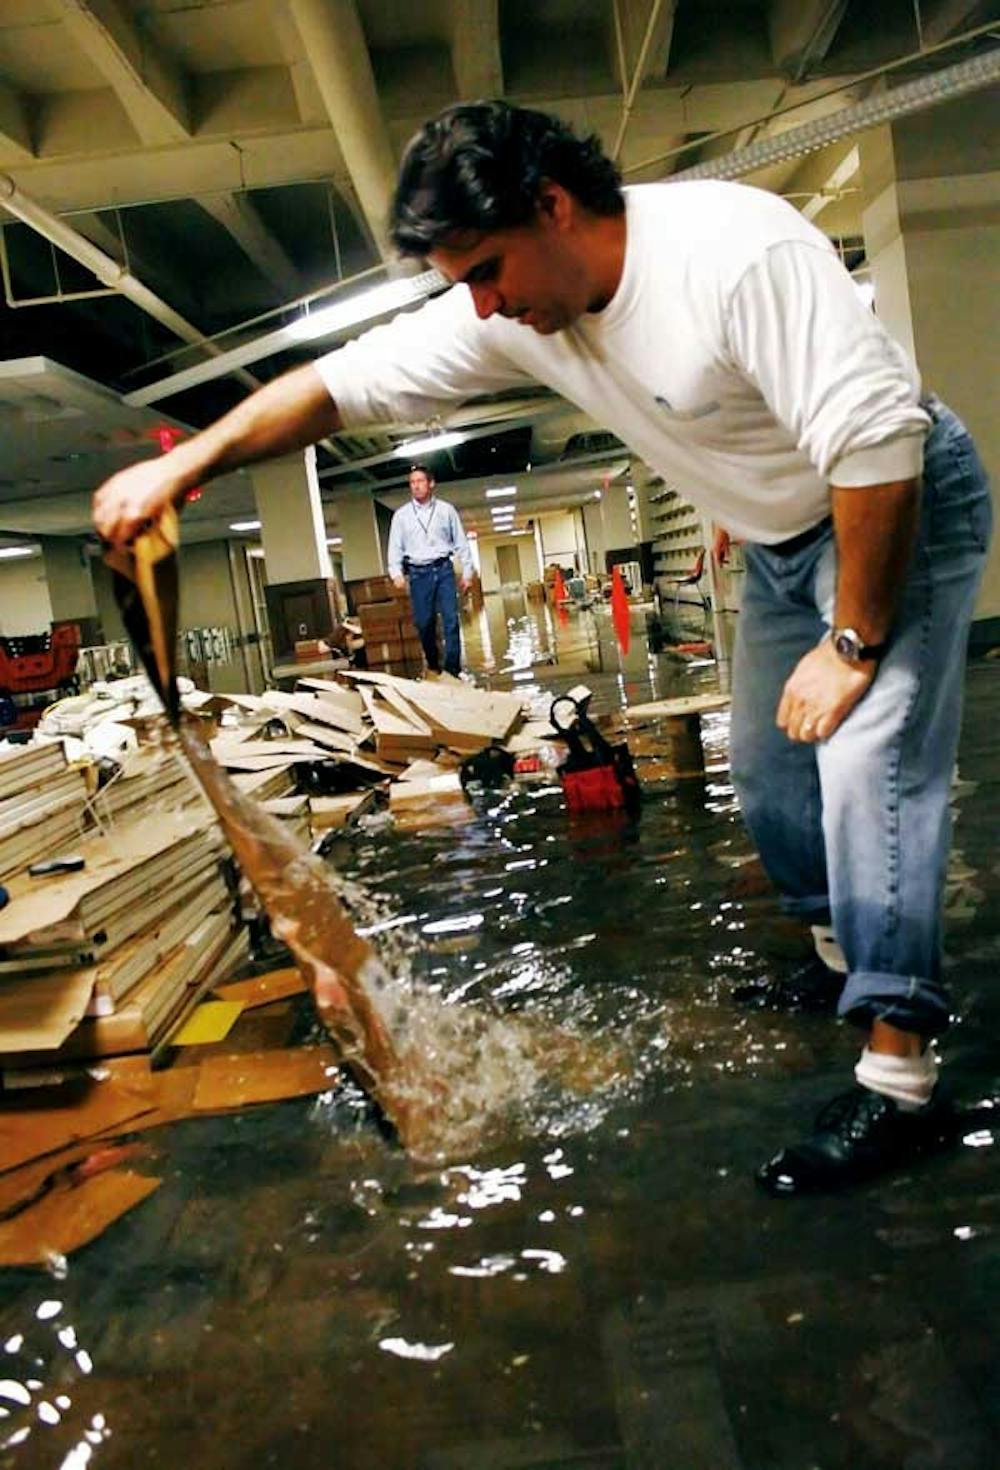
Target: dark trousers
(433,592)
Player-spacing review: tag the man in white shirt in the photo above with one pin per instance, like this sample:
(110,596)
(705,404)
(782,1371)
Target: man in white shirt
(714,329)
(424,536)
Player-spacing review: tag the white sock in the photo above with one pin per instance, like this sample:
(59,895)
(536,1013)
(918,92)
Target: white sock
(828,949)
(909,1081)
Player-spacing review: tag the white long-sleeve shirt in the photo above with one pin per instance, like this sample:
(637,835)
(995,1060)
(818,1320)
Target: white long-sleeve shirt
(735,358)
(423,533)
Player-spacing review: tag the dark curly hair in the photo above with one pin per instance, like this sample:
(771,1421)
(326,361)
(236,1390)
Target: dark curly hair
(480,166)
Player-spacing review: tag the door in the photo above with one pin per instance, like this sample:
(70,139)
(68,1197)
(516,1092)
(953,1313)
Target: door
(508,565)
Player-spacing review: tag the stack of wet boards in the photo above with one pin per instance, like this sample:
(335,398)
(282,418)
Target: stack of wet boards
(110,952)
(41,804)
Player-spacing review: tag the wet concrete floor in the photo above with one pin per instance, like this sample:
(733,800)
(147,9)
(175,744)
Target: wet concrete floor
(597,1284)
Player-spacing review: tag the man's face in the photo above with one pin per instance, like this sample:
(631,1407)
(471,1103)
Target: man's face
(421,486)
(534,273)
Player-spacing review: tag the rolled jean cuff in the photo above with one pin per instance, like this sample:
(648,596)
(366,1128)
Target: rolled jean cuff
(908,1002)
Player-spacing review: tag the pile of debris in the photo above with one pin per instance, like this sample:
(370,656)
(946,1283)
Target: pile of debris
(121,907)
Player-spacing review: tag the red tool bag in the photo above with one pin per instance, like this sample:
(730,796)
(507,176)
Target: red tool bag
(595,775)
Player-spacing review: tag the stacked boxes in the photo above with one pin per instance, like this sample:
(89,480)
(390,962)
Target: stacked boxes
(391,642)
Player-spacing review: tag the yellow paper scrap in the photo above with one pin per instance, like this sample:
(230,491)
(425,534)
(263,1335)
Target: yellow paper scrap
(212,1021)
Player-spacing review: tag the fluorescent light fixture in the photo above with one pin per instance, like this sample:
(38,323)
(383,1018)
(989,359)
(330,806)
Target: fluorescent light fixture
(413,448)
(499,514)
(244,525)
(388,296)
(7,553)
(334,540)
(501,491)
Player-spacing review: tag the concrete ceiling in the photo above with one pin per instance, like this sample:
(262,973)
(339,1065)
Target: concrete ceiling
(235,156)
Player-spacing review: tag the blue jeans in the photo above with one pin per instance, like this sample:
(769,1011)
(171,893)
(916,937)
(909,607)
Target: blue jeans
(855,830)
(432,591)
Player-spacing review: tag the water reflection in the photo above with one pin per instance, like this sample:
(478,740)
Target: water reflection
(592,1282)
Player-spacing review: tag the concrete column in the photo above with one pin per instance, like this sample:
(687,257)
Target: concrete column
(593,524)
(931,217)
(71,586)
(357,523)
(291,515)
(618,532)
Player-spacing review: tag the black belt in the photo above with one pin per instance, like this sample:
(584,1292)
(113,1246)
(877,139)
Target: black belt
(803,539)
(931,404)
(423,566)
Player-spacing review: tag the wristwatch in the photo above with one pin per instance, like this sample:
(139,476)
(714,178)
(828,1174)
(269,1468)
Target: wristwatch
(848,645)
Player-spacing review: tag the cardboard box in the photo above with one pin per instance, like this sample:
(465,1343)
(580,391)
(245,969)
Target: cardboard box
(309,648)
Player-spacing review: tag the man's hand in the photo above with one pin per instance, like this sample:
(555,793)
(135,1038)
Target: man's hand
(821,693)
(399,583)
(465,583)
(135,496)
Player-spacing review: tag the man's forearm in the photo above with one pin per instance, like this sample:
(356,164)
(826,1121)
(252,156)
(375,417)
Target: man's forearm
(875,527)
(284,416)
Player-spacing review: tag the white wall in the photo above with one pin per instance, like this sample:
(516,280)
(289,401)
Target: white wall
(562,538)
(25,606)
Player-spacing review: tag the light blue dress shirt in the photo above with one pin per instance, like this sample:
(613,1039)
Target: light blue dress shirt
(423,533)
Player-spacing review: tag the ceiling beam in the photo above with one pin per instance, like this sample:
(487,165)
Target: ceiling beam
(334,43)
(633,19)
(151,90)
(236,215)
(15,130)
(801,32)
(475,49)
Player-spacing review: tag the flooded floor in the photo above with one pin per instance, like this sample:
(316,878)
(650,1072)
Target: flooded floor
(596,1284)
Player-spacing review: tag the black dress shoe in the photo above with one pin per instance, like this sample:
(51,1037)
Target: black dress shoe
(857,1136)
(811,987)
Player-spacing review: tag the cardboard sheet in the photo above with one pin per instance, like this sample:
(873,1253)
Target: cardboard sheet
(40,1012)
(46,1119)
(69,1217)
(261,990)
(264,1076)
(689,704)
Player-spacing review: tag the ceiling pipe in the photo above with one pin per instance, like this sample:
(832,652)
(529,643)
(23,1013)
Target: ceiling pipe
(940,86)
(335,47)
(108,271)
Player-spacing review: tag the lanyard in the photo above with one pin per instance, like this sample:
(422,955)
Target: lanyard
(425,528)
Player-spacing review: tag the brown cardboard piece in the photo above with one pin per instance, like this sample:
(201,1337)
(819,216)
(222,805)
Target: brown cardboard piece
(236,1080)
(71,1216)
(261,990)
(48,1118)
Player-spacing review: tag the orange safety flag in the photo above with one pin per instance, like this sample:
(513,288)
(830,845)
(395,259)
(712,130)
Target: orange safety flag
(619,609)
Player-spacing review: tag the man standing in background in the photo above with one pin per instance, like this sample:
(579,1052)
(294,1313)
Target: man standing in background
(424,536)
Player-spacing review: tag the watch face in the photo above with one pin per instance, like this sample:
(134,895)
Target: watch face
(847,645)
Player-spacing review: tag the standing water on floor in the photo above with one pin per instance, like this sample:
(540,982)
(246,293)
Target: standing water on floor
(591,1280)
